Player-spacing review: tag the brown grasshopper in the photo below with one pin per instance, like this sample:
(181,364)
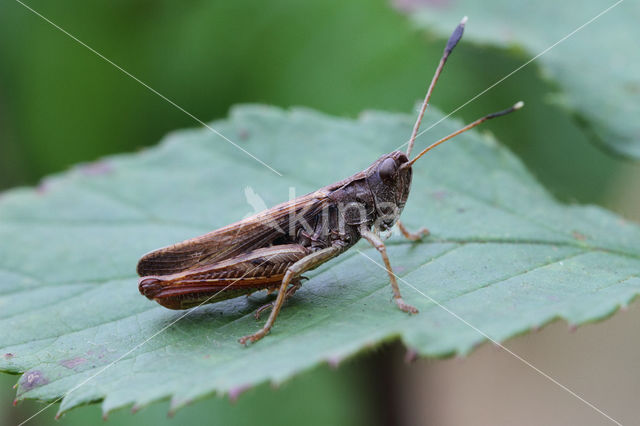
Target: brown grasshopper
(272,249)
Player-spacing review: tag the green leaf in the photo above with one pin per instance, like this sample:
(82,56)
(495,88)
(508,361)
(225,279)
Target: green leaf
(345,400)
(503,255)
(595,67)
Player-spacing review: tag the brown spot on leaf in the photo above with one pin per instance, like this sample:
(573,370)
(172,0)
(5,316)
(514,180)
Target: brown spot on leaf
(98,353)
(73,362)
(243,134)
(439,195)
(578,236)
(8,355)
(33,379)
(632,87)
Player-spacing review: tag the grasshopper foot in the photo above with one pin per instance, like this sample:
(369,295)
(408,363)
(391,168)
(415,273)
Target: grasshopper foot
(405,307)
(417,236)
(422,232)
(253,337)
(413,236)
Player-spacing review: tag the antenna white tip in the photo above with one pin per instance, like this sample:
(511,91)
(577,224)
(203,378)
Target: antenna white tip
(518,105)
(464,20)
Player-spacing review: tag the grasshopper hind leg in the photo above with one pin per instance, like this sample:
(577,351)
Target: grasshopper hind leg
(292,275)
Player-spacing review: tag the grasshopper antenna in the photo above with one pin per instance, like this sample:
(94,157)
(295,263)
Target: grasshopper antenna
(453,40)
(516,107)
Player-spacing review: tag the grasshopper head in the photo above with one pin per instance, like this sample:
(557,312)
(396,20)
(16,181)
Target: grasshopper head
(389,177)
(389,184)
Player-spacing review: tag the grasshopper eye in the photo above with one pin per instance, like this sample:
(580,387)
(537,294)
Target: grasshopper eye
(387,168)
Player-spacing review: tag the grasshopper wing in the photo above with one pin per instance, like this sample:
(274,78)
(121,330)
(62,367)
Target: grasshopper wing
(272,226)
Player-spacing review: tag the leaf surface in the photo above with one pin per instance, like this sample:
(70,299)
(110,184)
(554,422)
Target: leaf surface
(503,256)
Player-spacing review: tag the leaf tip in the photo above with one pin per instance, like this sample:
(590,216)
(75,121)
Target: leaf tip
(235,392)
(43,186)
(334,361)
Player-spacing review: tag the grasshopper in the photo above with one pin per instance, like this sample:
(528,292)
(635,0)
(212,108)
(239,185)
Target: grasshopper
(272,249)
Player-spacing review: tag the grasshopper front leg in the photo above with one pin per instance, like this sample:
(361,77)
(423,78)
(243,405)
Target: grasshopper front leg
(294,271)
(379,245)
(412,236)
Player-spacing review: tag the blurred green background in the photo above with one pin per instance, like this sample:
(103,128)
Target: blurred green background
(61,104)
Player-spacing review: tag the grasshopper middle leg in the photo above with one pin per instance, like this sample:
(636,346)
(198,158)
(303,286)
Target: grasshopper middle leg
(293,272)
(379,245)
(290,292)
